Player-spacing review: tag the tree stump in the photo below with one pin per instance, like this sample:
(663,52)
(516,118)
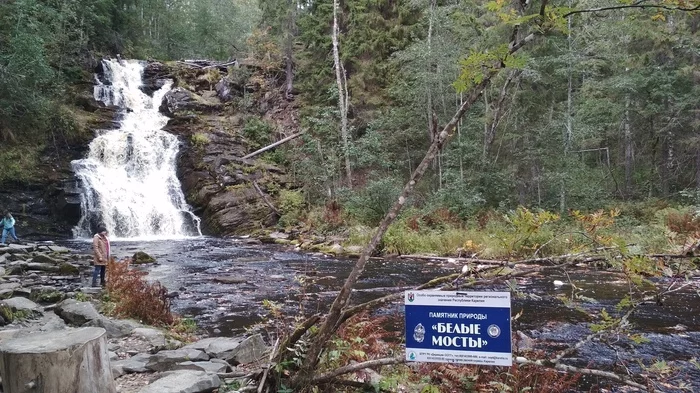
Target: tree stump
(63,361)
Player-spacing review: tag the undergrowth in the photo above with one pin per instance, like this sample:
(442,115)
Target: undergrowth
(134,297)
(525,233)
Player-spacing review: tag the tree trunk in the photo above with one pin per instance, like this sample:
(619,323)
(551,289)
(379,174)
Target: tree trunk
(68,361)
(342,94)
(289,49)
(568,131)
(490,127)
(628,148)
(428,85)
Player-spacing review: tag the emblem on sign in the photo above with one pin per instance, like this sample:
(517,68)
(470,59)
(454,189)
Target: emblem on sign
(419,333)
(411,297)
(494,331)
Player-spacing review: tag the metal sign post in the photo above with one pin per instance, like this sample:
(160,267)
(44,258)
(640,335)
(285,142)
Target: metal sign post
(458,327)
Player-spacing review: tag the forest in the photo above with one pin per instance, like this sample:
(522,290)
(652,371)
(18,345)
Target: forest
(600,110)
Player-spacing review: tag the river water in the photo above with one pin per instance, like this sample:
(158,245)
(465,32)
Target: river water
(222,283)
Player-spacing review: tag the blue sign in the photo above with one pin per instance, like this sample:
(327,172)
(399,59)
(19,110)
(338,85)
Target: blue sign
(458,327)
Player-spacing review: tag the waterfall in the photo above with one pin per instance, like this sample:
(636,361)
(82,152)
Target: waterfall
(128,178)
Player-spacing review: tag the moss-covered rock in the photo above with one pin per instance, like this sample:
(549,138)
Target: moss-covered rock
(141,258)
(68,269)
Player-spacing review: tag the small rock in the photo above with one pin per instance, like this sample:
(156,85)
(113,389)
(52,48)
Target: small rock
(184,382)
(113,356)
(59,249)
(277,277)
(230,280)
(279,235)
(164,360)
(134,364)
(201,366)
(336,249)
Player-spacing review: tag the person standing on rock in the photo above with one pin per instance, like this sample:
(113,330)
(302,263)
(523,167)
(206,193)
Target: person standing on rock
(8,226)
(100,248)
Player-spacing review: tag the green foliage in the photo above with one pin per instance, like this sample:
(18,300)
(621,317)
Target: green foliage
(199,140)
(257,131)
(290,205)
(19,163)
(370,204)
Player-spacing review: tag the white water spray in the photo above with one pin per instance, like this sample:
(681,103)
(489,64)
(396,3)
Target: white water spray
(128,179)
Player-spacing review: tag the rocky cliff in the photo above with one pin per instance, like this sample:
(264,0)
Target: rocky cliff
(46,200)
(212,110)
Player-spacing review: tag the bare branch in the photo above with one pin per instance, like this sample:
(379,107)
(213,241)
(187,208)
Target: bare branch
(635,5)
(588,371)
(356,367)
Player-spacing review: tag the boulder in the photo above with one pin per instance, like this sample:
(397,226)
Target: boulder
(165,360)
(222,347)
(184,382)
(115,327)
(43,258)
(250,350)
(134,364)
(141,257)
(22,305)
(19,249)
(42,267)
(179,101)
(77,313)
(68,269)
(154,337)
(46,294)
(74,361)
(59,249)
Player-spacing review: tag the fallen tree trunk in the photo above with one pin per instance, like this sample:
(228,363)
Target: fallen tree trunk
(67,361)
(272,146)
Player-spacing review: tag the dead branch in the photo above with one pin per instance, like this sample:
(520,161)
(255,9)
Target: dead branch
(638,4)
(265,198)
(272,146)
(273,354)
(588,371)
(356,367)
(298,333)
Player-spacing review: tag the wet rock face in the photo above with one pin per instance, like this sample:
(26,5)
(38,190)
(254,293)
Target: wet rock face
(231,195)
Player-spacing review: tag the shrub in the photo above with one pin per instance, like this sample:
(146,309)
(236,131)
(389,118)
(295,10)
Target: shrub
(134,297)
(291,204)
(257,132)
(199,140)
(370,205)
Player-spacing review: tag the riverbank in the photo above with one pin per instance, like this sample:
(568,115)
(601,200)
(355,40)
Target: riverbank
(43,293)
(642,228)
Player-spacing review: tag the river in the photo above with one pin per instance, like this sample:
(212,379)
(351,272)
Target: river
(221,283)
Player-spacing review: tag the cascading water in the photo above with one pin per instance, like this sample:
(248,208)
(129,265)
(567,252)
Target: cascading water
(128,179)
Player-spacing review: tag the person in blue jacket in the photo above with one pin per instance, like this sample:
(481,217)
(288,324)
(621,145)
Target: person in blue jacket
(8,226)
